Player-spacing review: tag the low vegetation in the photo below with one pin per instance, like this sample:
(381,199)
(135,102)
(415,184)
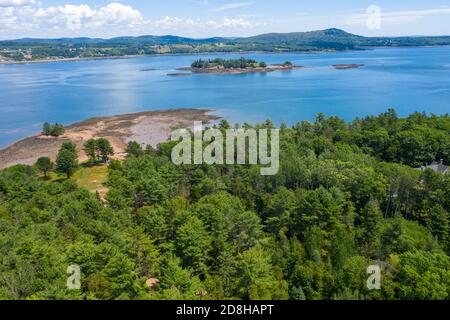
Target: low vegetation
(91,178)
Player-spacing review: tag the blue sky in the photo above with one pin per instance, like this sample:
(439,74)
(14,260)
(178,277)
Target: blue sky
(205,18)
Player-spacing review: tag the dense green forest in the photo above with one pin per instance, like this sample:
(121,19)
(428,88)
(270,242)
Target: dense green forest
(321,40)
(347,196)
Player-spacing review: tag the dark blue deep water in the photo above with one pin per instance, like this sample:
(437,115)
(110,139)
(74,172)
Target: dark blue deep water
(413,79)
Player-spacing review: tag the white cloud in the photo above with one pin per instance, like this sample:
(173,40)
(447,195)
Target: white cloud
(116,13)
(398,17)
(76,17)
(7,15)
(16,3)
(69,20)
(230,6)
(189,24)
(417,13)
(167,23)
(233,23)
(31,18)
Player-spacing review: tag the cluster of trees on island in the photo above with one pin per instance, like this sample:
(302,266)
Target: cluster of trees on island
(347,196)
(53,130)
(241,63)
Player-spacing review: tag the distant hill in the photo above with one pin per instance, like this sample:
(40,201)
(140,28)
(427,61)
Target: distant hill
(336,38)
(28,49)
(147,39)
(328,35)
(161,40)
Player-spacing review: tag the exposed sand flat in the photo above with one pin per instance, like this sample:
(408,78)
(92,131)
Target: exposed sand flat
(347,66)
(146,128)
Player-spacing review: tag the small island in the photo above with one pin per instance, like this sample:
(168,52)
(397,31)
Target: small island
(347,66)
(179,74)
(238,66)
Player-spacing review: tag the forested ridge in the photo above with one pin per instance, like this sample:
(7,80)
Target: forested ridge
(347,196)
(23,50)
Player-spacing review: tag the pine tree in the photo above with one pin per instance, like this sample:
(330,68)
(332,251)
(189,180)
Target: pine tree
(44,164)
(90,148)
(66,160)
(105,149)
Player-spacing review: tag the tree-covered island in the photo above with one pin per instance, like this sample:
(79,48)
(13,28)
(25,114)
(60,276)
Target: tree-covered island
(241,65)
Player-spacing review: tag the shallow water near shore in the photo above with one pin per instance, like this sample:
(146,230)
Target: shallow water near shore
(407,79)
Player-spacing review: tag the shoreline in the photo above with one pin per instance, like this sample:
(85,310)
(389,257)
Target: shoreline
(216,70)
(59,60)
(146,128)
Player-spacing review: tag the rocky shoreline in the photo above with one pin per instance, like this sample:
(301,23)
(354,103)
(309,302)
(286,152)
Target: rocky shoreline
(347,66)
(221,70)
(146,128)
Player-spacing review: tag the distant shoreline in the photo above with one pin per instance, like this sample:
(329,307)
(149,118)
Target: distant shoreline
(58,60)
(161,55)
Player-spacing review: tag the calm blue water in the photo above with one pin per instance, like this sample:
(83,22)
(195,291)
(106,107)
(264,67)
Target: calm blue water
(416,79)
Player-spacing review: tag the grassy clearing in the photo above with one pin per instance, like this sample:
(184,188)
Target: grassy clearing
(92,178)
(53,176)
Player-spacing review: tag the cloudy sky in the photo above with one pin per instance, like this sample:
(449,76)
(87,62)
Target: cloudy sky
(205,18)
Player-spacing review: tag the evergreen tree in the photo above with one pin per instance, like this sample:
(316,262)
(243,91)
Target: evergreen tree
(370,220)
(91,150)
(439,224)
(44,164)
(134,149)
(105,149)
(66,160)
(46,129)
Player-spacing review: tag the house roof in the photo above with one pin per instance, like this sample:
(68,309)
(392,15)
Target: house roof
(438,167)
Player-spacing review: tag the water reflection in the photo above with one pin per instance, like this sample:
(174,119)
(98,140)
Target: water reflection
(408,79)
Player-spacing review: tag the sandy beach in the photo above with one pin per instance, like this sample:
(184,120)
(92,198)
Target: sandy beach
(146,128)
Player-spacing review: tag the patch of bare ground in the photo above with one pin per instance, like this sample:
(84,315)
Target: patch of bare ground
(347,66)
(147,128)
